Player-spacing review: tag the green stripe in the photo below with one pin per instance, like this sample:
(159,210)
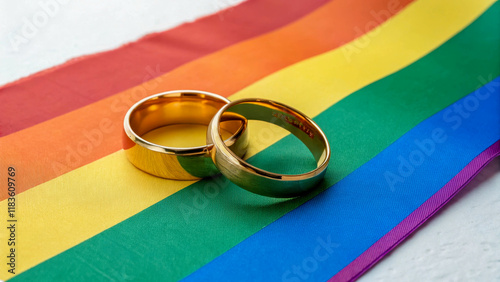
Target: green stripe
(159,243)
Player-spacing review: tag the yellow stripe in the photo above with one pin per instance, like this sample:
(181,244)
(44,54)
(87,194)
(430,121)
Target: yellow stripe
(65,211)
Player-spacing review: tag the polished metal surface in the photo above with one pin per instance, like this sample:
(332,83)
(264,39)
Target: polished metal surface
(174,108)
(255,179)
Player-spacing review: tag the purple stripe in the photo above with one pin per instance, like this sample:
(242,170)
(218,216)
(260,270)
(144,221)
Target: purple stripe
(390,240)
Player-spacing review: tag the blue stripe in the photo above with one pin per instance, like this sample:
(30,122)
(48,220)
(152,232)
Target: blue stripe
(319,238)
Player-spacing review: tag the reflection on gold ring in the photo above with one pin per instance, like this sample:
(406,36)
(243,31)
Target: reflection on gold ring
(182,107)
(258,180)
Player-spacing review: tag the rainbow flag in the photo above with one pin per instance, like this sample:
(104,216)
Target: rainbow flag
(407,92)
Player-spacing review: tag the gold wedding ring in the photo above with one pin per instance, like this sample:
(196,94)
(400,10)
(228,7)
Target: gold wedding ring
(177,108)
(254,179)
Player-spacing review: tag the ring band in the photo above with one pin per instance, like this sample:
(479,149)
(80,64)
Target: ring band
(174,108)
(255,179)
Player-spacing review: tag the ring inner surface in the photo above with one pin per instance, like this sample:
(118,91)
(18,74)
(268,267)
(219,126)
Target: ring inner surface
(288,119)
(178,109)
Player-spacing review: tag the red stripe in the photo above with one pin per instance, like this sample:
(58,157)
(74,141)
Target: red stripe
(52,148)
(86,80)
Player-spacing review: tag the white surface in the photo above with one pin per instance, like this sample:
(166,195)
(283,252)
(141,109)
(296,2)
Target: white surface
(462,242)
(35,35)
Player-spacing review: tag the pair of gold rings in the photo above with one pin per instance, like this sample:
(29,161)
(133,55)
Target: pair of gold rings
(220,156)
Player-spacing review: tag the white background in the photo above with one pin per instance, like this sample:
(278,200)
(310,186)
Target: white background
(460,243)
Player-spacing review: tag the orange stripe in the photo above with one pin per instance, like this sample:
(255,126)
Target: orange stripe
(72,140)
(80,82)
